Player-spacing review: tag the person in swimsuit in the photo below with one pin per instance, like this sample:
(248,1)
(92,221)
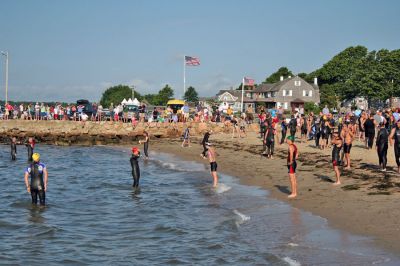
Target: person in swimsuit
(186,137)
(39,177)
(369,130)
(394,139)
(135,166)
(213,163)
(145,144)
(303,127)
(293,126)
(13,149)
(284,127)
(293,154)
(337,146)
(382,145)
(347,136)
(269,140)
(203,142)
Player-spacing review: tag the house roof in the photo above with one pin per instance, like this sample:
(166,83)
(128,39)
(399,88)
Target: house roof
(236,93)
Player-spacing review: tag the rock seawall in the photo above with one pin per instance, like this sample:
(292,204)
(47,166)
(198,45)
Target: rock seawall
(99,133)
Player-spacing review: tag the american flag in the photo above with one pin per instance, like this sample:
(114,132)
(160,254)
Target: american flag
(192,61)
(248,81)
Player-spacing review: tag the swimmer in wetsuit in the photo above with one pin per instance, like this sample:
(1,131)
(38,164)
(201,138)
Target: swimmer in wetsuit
(382,145)
(30,146)
(394,139)
(213,163)
(13,149)
(135,166)
(39,177)
(293,154)
(145,144)
(337,144)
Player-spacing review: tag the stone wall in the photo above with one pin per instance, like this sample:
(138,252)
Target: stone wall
(99,133)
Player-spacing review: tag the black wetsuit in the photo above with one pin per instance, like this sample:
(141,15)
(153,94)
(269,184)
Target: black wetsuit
(336,155)
(304,127)
(269,141)
(30,152)
(293,126)
(13,151)
(37,183)
(284,131)
(382,146)
(203,142)
(369,128)
(146,146)
(317,133)
(135,170)
(397,145)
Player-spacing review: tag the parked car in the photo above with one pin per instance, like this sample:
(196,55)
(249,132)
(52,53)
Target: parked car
(87,106)
(133,111)
(106,114)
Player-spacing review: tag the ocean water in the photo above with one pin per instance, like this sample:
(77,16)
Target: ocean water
(94,217)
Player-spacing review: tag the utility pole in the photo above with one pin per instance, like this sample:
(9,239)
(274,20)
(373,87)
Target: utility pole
(6,55)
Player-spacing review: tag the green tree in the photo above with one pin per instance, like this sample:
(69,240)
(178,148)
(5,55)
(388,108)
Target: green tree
(275,77)
(191,95)
(163,96)
(116,94)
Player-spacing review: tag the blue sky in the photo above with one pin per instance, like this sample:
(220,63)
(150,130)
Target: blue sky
(65,50)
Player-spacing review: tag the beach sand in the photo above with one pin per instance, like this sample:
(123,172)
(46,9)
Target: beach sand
(367,202)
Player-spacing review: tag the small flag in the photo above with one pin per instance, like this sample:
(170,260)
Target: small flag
(248,82)
(192,61)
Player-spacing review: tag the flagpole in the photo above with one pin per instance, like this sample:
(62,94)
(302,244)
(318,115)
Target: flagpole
(184,75)
(241,105)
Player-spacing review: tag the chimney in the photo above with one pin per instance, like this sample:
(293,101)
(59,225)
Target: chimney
(281,79)
(315,81)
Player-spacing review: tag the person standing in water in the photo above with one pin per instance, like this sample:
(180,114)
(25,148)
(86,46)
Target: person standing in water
(293,154)
(382,145)
(13,149)
(145,144)
(212,156)
(135,166)
(39,177)
(30,146)
(337,144)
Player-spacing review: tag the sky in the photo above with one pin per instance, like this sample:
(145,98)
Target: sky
(68,50)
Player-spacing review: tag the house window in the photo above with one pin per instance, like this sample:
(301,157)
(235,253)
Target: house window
(225,98)
(306,93)
(285,105)
(269,94)
(290,93)
(284,92)
(310,93)
(278,104)
(248,95)
(272,94)
(297,83)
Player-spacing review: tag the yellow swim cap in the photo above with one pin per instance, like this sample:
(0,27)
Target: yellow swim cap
(36,157)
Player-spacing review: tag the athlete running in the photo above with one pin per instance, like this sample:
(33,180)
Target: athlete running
(135,166)
(293,154)
(39,177)
(394,139)
(337,146)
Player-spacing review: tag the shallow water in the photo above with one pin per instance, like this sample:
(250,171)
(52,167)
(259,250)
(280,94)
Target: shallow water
(94,217)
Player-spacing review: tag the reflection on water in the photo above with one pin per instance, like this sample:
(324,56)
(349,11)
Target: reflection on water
(94,216)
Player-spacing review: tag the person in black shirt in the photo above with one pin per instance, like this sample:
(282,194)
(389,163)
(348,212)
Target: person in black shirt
(382,145)
(369,127)
(204,143)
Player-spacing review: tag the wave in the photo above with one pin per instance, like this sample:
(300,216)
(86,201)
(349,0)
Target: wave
(221,188)
(291,262)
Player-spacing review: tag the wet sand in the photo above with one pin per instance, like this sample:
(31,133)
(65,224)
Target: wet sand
(367,202)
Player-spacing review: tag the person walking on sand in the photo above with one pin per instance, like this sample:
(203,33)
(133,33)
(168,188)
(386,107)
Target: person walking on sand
(39,177)
(292,156)
(212,156)
(337,144)
(186,137)
(145,144)
(269,140)
(347,136)
(135,166)
(382,145)
(394,139)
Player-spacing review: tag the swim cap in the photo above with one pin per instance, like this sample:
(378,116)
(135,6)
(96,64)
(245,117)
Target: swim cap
(36,157)
(135,149)
(290,138)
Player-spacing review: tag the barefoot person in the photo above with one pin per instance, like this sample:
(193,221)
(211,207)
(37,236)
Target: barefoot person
(213,163)
(293,154)
(347,136)
(30,146)
(135,166)
(394,139)
(186,137)
(13,149)
(337,146)
(204,142)
(145,144)
(39,176)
